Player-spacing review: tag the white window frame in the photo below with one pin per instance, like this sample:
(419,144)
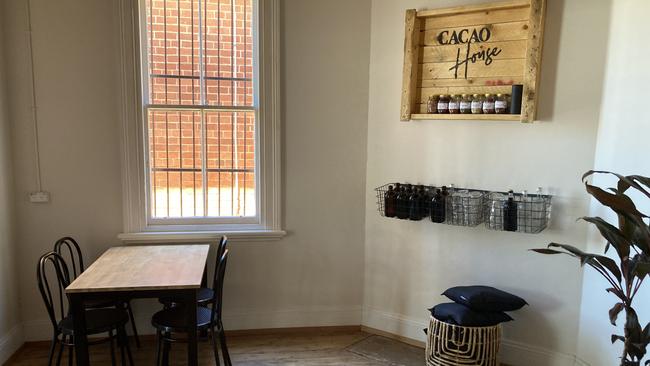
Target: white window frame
(138,225)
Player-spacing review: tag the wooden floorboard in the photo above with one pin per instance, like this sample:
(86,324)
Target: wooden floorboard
(313,348)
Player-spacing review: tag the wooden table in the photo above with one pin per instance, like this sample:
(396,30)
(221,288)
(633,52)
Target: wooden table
(123,273)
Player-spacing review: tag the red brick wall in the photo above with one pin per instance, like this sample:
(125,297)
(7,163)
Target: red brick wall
(175,141)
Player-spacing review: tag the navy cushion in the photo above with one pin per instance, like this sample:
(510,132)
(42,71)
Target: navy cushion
(485,298)
(458,314)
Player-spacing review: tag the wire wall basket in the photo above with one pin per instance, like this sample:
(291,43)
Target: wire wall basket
(465,207)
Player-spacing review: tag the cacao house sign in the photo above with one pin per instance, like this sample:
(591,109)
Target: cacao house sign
(472,49)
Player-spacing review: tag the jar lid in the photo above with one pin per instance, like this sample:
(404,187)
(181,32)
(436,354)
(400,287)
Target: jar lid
(475,95)
(452,96)
(488,95)
(442,96)
(499,95)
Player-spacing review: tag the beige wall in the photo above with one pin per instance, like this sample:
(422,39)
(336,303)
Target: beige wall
(314,275)
(622,148)
(10,331)
(408,264)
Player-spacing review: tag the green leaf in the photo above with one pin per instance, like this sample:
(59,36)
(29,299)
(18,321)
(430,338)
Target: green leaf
(605,263)
(624,182)
(617,293)
(617,338)
(612,234)
(642,269)
(613,312)
(620,203)
(643,181)
(547,251)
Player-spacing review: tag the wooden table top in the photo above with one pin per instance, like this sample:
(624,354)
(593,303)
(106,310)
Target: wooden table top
(141,268)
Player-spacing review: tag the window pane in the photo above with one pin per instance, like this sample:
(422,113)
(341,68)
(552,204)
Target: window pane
(231,163)
(175,151)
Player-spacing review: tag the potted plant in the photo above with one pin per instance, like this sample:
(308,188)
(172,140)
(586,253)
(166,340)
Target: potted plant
(631,242)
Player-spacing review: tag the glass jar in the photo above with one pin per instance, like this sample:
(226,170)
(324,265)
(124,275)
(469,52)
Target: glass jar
(432,104)
(501,104)
(488,104)
(454,104)
(443,104)
(477,104)
(465,105)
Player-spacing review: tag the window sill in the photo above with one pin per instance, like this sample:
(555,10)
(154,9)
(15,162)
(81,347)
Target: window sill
(200,236)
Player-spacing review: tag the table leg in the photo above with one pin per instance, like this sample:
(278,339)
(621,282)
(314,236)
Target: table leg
(79,321)
(192,339)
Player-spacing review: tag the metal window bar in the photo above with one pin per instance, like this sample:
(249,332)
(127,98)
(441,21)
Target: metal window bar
(153,109)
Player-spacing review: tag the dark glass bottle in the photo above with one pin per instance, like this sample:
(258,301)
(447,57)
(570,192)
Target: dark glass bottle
(415,210)
(390,202)
(403,204)
(425,202)
(438,207)
(510,213)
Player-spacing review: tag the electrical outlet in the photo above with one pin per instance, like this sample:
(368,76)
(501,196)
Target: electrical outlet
(39,197)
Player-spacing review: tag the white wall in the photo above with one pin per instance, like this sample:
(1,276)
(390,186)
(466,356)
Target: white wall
(314,275)
(622,148)
(10,330)
(408,264)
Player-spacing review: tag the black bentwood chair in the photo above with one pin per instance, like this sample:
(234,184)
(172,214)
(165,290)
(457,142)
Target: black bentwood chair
(68,247)
(174,320)
(205,295)
(98,321)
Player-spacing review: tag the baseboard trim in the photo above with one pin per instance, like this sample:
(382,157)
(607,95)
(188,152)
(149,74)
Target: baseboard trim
(409,330)
(10,343)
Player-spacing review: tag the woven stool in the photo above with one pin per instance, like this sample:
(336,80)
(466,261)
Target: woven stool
(453,345)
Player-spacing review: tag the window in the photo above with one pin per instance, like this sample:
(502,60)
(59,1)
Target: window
(200,108)
(206,116)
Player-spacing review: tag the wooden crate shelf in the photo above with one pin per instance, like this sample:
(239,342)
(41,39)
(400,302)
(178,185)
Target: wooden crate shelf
(467,117)
(473,49)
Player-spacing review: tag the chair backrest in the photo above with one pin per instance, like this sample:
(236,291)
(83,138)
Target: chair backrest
(217,301)
(223,244)
(52,274)
(68,247)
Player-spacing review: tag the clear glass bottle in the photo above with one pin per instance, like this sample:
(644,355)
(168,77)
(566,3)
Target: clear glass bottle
(488,104)
(465,105)
(432,104)
(477,104)
(454,104)
(443,104)
(501,104)
(523,213)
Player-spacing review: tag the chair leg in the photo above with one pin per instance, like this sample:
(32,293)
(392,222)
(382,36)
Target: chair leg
(166,348)
(133,327)
(158,342)
(123,341)
(213,336)
(128,347)
(55,340)
(110,342)
(70,353)
(58,357)
(224,345)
